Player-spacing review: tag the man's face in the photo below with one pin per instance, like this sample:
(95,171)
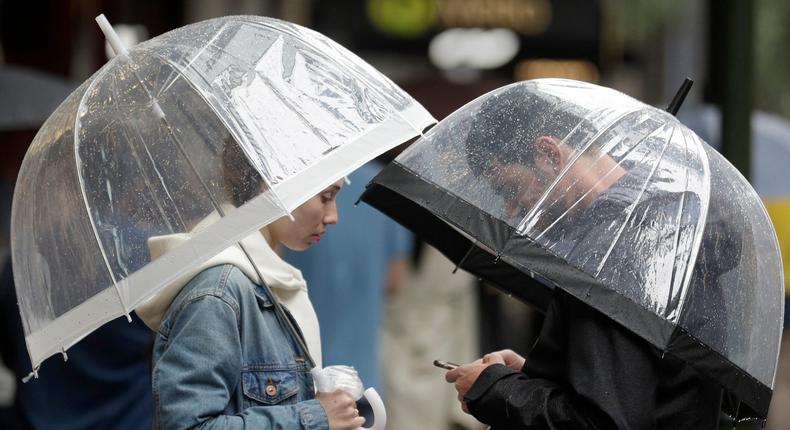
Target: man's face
(520,186)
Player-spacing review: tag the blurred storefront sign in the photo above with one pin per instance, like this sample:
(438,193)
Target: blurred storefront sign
(581,70)
(472,34)
(474,48)
(524,16)
(414,18)
(407,19)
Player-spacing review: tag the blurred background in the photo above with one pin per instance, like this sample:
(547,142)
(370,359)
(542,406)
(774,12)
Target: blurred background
(445,53)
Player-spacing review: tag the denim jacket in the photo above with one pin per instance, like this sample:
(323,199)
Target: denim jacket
(222,359)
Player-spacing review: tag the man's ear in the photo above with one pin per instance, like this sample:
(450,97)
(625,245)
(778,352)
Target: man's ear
(548,155)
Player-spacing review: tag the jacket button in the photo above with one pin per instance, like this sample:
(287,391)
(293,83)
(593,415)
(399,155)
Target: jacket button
(271,390)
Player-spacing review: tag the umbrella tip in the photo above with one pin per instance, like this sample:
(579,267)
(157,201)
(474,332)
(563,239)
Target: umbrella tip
(33,374)
(680,96)
(111,35)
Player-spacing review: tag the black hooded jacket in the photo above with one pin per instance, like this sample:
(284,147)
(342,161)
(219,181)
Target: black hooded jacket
(587,371)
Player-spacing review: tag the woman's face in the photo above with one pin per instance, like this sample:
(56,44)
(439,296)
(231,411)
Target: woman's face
(310,220)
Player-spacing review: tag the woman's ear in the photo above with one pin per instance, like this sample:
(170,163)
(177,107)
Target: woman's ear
(548,155)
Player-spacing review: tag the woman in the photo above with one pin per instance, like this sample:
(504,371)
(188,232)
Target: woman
(222,359)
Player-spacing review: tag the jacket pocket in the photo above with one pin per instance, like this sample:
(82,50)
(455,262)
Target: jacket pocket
(269,387)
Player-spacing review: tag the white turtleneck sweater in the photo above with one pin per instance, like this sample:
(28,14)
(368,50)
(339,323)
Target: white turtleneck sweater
(285,281)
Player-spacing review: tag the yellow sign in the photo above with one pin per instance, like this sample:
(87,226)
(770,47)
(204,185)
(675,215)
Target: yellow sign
(413,18)
(779,210)
(402,18)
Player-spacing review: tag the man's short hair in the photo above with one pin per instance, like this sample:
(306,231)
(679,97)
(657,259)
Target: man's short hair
(507,124)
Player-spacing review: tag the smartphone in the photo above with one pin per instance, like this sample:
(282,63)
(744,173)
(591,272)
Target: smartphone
(444,364)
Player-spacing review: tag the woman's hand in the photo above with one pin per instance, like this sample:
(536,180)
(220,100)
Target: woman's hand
(341,410)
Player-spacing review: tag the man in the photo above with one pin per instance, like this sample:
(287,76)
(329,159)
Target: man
(585,370)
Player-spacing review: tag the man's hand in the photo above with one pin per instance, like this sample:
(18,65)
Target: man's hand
(511,359)
(464,376)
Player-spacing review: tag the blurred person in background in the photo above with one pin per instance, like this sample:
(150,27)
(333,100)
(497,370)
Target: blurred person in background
(349,272)
(106,383)
(437,314)
(434,316)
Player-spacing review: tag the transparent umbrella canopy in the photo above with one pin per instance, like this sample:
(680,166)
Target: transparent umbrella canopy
(561,184)
(770,156)
(248,111)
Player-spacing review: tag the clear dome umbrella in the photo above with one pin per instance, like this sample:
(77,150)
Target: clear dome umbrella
(561,184)
(251,111)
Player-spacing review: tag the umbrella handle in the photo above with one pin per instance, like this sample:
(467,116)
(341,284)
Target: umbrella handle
(379,412)
(322,382)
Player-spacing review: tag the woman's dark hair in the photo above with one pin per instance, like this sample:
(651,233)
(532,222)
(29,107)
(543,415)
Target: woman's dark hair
(242,179)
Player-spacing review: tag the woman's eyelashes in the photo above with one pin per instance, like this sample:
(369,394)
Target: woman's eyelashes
(328,197)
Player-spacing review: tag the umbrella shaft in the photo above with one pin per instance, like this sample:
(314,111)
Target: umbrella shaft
(281,314)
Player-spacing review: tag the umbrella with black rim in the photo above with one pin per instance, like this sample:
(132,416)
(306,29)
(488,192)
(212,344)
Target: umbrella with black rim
(561,184)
